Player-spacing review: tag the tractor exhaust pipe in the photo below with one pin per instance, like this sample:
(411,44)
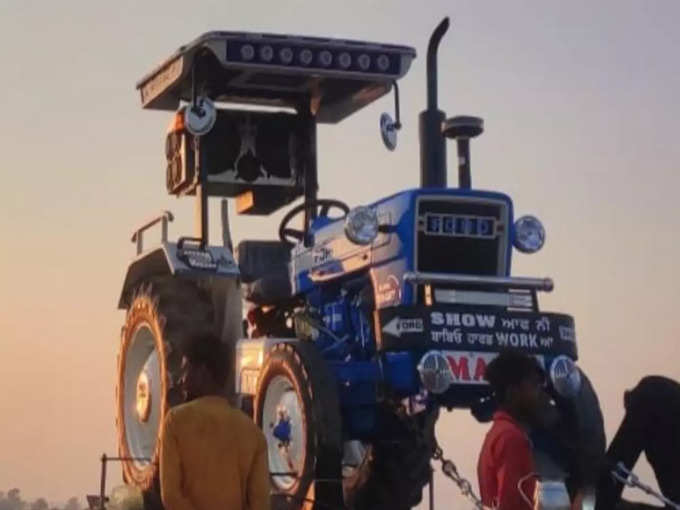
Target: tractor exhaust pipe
(432,143)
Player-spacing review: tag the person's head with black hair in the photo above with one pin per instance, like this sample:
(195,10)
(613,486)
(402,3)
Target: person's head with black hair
(517,381)
(204,366)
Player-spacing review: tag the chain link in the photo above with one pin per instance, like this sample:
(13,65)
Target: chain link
(630,479)
(620,473)
(451,471)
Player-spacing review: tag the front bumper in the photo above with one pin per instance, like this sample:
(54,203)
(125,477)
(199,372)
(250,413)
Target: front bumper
(464,328)
(465,339)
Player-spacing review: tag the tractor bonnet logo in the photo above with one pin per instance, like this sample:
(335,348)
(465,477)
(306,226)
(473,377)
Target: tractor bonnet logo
(397,326)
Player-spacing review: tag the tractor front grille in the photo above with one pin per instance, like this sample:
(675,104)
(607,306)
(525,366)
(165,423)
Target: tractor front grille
(465,235)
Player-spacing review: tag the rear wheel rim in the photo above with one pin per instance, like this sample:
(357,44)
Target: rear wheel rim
(142,396)
(286,453)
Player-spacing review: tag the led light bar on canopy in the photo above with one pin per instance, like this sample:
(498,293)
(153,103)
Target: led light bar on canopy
(331,77)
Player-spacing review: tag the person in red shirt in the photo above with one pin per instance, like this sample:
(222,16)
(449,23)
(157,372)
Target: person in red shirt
(506,467)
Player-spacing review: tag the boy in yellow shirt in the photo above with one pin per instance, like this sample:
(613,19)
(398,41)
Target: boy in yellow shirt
(212,455)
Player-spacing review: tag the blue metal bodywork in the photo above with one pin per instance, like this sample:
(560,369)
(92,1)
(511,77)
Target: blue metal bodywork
(332,256)
(332,272)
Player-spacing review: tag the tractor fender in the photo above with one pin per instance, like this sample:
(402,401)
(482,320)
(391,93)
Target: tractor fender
(166,260)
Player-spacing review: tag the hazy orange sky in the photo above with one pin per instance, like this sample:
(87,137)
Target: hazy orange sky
(581,106)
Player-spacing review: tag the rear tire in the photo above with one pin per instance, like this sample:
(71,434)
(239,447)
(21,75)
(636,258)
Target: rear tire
(297,408)
(162,313)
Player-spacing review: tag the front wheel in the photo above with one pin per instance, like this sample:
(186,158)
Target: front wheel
(396,466)
(297,408)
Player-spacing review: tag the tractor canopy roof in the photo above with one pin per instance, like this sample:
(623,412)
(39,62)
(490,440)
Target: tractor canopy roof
(331,78)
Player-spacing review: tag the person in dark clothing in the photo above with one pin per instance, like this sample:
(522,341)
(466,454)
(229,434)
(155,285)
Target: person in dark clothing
(651,425)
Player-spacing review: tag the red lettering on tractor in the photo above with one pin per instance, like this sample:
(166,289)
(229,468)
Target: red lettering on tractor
(480,369)
(459,368)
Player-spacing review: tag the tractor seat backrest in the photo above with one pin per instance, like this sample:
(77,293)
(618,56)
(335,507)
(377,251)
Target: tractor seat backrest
(258,259)
(264,271)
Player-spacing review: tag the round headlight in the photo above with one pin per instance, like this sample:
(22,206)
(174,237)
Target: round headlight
(565,376)
(361,225)
(529,234)
(435,373)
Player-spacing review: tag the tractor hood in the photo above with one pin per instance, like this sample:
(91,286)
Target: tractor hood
(458,231)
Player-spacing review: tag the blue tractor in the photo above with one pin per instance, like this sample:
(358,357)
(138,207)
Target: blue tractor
(360,323)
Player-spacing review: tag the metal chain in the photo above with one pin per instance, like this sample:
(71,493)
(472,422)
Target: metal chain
(451,471)
(447,466)
(630,479)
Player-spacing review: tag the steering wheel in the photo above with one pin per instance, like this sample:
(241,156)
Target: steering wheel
(291,236)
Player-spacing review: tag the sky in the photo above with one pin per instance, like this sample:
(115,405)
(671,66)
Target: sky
(580,106)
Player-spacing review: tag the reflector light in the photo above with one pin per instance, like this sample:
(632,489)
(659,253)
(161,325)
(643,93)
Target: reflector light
(306,57)
(177,123)
(286,55)
(364,61)
(314,55)
(247,52)
(344,60)
(325,58)
(266,53)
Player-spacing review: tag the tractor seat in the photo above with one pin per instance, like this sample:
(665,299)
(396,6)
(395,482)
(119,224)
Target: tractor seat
(264,271)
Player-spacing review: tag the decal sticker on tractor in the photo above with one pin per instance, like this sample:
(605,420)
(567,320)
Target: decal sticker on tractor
(567,334)
(399,326)
(321,255)
(469,367)
(439,326)
(388,292)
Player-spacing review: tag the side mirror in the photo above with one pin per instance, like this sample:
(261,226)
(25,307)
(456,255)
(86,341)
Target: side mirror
(389,127)
(388,131)
(200,118)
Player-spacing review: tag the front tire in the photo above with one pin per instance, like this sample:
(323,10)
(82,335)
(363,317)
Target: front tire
(297,408)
